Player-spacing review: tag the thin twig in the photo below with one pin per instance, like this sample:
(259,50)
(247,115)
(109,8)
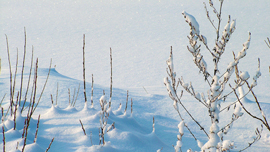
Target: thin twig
(73,98)
(24,53)
(56,93)
(17,146)
(255,117)
(267,43)
(24,127)
(111,79)
(258,137)
(208,16)
(145,90)
(26,131)
(34,90)
(25,97)
(37,129)
(2,114)
(14,82)
(153,124)
(16,110)
(44,86)
(77,95)
(52,99)
(126,102)
(92,91)
(4,139)
(49,145)
(82,127)
(10,72)
(178,99)
(3,99)
(91,138)
(258,104)
(84,85)
(131,105)
(7,112)
(68,96)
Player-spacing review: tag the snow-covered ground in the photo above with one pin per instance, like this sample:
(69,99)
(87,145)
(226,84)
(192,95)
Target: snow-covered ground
(140,34)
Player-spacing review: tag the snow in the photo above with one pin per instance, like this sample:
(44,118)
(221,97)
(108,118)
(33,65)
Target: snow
(192,21)
(232,27)
(244,75)
(181,127)
(200,144)
(140,34)
(227,145)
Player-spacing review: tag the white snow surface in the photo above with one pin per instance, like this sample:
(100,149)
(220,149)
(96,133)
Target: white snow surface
(140,34)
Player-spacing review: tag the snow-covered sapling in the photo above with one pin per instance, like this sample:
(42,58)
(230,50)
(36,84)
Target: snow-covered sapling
(217,81)
(103,117)
(104,114)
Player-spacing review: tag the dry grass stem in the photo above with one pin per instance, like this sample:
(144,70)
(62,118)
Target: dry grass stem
(84,85)
(82,127)
(77,95)
(15,111)
(267,42)
(37,129)
(44,86)
(56,93)
(28,84)
(111,78)
(3,99)
(4,139)
(68,96)
(50,145)
(24,53)
(10,73)
(126,102)
(52,99)
(92,91)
